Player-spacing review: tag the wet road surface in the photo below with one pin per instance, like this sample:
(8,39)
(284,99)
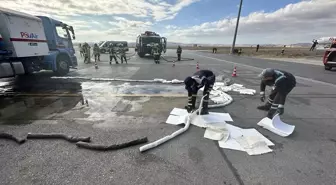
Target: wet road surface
(113,112)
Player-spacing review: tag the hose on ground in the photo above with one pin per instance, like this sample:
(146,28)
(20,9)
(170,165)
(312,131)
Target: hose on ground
(71,139)
(12,137)
(172,59)
(100,147)
(173,135)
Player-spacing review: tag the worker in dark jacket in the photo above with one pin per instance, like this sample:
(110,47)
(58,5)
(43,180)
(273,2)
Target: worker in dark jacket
(113,54)
(179,52)
(193,83)
(283,83)
(122,53)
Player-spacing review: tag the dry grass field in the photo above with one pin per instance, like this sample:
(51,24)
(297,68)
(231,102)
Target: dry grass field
(269,52)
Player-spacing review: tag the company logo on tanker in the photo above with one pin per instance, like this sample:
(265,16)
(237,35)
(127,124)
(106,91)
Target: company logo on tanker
(28,35)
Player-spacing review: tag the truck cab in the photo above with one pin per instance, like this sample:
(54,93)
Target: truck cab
(61,51)
(145,40)
(30,44)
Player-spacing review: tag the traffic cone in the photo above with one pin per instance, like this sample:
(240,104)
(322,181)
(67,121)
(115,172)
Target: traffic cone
(96,66)
(173,63)
(234,73)
(197,66)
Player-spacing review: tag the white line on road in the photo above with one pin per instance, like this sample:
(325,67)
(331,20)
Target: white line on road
(260,69)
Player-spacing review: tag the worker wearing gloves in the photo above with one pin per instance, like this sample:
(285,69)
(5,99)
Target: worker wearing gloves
(199,79)
(156,53)
(96,52)
(179,52)
(112,53)
(282,82)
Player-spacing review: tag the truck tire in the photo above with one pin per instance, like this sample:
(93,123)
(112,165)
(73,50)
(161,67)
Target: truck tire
(141,55)
(327,68)
(62,63)
(103,51)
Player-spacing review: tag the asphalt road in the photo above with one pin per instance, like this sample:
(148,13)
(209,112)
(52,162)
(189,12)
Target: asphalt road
(45,104)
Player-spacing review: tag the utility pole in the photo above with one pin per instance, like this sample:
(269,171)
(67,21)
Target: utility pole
(237,24)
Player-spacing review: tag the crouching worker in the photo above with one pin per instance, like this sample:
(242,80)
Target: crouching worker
(199,79)
(283,83)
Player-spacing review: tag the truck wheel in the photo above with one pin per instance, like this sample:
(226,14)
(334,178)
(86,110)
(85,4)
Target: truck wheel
(141,55)
(102,51)
(327,68)
(62,63)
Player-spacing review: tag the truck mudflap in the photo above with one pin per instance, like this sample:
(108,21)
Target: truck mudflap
(74,62)
(12,69)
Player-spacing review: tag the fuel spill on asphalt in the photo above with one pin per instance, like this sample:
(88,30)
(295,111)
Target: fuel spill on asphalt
(32,99)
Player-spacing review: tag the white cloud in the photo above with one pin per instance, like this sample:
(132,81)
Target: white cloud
(156,9)
(300,22)
(81,15)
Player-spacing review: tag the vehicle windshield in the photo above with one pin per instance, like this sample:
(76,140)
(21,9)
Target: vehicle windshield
(167,92)
(151,39)
(62,32)
(101,42)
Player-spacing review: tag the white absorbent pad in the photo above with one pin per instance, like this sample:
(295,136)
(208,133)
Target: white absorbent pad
(216,134)
(248,140)
(213,119)
(277,126)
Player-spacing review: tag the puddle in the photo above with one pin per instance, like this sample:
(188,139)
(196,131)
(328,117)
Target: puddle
(106,88)
(41,100)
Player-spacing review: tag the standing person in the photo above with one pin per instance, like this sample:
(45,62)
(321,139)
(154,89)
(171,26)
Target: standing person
(156,53)
(193,83)
(112,53)
(314,45)
(179,52)
(257,48)
(81,51)
(283,82)
(86,50)
(96,52)
(333,44)
(122,54)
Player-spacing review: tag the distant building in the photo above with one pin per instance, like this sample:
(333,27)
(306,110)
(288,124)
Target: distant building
(194,45)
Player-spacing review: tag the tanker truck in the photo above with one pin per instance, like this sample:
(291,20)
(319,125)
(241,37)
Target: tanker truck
(145,41)
(30,44)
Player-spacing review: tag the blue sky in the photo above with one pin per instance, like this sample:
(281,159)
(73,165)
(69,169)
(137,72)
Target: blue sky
(222,9)
(191,21)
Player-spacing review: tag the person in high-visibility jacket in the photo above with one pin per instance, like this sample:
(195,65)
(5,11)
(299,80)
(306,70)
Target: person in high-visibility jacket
(112,53)
(202,78)
(96,52)
(283,82)
(156,53)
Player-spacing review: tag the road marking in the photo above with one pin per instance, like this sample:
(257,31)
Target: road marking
(260,69)
(80,95)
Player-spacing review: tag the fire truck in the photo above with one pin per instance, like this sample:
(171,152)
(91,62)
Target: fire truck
(145,41)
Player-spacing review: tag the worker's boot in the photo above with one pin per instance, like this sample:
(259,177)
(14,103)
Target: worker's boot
(191,103)
(205,108)
(271,113)
(265,107)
